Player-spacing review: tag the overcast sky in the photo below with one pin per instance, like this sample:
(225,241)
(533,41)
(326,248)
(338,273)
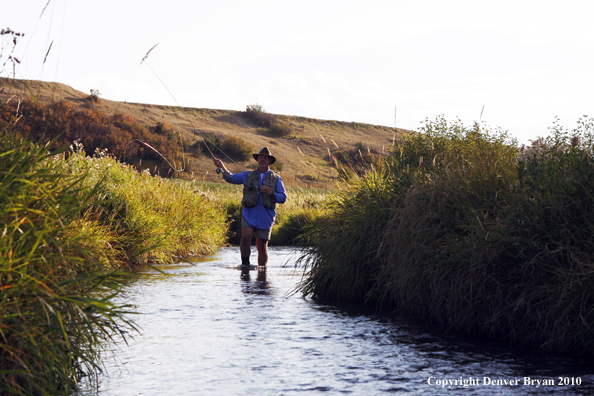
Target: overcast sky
(524,61)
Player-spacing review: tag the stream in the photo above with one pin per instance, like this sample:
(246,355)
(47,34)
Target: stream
(209,328)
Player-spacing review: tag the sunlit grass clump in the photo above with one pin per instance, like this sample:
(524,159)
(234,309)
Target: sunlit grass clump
(461,228)
(157,219)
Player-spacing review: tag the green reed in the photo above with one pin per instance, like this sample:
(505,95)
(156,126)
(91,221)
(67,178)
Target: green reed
(455,228)
(56,292)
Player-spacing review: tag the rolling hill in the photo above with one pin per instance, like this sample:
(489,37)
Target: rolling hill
(304,154)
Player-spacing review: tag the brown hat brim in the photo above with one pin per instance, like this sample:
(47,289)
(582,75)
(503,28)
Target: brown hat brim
(267,155)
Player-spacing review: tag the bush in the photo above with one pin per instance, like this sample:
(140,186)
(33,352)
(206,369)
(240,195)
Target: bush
(237,148)
(94,96)
(212,143)
(164,130)
(360,146)
(197,147)
(258,116)
(280,129)
(254,109)
(456,229)
(356,161)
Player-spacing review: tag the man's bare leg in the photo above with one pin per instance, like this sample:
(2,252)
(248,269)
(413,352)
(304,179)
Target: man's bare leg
(245,245)
(262,245)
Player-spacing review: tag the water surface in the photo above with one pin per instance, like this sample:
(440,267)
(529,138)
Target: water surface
(212,329)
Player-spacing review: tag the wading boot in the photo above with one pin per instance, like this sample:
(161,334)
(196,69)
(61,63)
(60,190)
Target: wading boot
(245,261)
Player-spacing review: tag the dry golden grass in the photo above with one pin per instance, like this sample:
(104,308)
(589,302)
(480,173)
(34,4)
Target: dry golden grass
(304,152)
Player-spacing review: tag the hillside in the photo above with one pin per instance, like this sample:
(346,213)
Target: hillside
(303,154)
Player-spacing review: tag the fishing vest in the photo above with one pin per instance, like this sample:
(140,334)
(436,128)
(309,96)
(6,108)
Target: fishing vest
(251,189)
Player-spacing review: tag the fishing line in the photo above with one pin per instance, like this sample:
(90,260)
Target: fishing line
(140,141)
(185,114)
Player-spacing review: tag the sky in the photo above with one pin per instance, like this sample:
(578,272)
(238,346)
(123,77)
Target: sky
(515,65)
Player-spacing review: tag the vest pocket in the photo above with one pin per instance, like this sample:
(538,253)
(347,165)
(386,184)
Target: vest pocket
(251,192)
(267,202)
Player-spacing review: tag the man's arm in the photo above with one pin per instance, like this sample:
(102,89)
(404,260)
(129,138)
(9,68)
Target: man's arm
(280,195)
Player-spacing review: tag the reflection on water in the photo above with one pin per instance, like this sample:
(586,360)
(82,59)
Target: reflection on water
(213,328)
(260,285)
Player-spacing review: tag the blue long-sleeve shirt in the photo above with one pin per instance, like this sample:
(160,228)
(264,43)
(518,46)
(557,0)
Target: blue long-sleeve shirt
(259,216)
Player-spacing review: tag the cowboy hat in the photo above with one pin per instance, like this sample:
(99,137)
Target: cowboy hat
(265,152)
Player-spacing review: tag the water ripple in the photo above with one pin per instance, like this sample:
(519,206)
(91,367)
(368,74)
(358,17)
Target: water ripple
(210,328)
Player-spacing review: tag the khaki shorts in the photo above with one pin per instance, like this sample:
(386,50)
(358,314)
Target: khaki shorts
(260,233)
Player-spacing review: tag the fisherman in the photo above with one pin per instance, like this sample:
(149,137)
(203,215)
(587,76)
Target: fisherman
(262,190)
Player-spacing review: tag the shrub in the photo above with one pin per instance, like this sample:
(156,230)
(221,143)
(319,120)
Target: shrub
(214,143)
(254,109)
(237,148)
(163,129)
(258,116)
(94,96)
(280,129)
(196,147)
(360,146)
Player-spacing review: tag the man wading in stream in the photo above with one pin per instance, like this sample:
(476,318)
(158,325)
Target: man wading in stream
(262,190)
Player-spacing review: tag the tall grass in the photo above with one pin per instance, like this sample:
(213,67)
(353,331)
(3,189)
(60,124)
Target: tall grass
(302,208)
(157,219)
(69,225)
(460,228)
(56,287)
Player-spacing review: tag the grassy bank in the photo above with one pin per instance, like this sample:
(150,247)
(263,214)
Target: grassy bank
(69,225)
(462,229)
